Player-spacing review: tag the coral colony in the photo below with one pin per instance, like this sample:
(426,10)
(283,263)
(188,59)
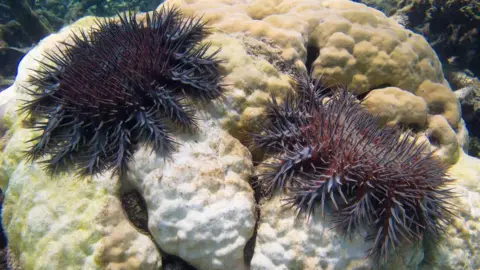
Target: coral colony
(129,83)
(329,155)
(117,86)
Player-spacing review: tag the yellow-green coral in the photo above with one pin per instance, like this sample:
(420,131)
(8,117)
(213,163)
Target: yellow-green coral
(459,248)
(397,107)
(440,100)
(344,42)
(443,137)
(70,224)
(42,222)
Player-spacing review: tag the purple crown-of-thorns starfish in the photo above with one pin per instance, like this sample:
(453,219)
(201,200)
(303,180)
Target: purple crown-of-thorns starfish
(329,154)
(120,85)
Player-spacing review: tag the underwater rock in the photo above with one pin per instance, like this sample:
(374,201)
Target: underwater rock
(10,58)
(469,98)
(474,147)
(28,19)
(4,84)
(13,35)
(452,27)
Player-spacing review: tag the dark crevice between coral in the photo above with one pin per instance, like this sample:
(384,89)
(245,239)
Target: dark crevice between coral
(312,54)
(258,154)
(3,238)
(433,140)
(249,249)
(171,262)
(362,96)
(413,127)
(135,208)
(380,86)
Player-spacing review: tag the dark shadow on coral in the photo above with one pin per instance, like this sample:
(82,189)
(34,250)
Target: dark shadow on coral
(363,95)
(135,209)
(170,262)
(312,53)
(249,249)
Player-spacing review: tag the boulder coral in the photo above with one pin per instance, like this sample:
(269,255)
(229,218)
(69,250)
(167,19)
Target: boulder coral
(41,210)
(342,41)
(200,205)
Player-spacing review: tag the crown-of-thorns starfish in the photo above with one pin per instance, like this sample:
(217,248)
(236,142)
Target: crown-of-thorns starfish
(120,85)
(330,155)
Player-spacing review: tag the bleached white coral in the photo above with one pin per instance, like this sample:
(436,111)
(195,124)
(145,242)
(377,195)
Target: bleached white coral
(200,204)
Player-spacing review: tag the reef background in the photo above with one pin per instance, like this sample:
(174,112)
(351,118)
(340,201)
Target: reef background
(24,22)
(452,27)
